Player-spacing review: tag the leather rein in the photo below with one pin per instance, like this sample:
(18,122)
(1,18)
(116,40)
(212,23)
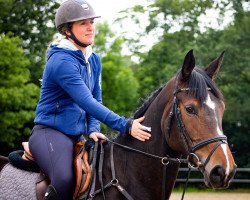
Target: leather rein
(188,144)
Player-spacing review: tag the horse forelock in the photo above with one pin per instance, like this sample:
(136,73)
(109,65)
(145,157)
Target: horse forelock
(200,83)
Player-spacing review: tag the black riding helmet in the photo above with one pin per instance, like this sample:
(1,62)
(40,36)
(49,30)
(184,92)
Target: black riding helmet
(71,11)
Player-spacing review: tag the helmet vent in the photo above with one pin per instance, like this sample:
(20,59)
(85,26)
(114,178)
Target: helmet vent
(85,6)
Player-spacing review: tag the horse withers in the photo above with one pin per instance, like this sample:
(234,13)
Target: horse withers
(185,116)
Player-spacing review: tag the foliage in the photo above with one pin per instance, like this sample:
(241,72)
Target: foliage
(165,14)
(234,80)
(21,65)
(175,26)
(165,57)
(119,84)
(236,86)
(163,60)
(17,95)
(32,21)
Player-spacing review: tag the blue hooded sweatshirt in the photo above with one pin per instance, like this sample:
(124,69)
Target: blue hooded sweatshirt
(70,98)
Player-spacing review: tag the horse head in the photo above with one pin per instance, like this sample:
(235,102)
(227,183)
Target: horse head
(192,121)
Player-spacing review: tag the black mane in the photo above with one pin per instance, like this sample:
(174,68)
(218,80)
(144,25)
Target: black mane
(143,108)
(198,85)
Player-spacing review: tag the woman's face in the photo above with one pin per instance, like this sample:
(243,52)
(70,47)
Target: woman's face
(84,30)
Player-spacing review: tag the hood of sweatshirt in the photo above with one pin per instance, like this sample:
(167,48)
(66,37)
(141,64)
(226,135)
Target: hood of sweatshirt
(66,46)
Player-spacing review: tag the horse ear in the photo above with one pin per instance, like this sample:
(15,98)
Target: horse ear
(188,65)
(214,67)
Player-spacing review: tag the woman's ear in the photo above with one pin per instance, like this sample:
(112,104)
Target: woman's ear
(67,32)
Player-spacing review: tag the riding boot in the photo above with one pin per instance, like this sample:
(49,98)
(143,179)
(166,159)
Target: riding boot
(51,193)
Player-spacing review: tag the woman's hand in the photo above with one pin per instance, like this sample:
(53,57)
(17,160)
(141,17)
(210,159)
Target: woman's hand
(139,131)
(96,136)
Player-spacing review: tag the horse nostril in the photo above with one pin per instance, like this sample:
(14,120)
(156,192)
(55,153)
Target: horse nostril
(219,171)
(217,176)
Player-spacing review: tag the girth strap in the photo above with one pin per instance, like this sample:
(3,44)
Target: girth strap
(115,181)
(93,180)
(100,170)
(164,176)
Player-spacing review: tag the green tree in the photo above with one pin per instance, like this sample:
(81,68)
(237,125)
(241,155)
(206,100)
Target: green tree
(178,23)
(165,57)
(236,83)
(33,22)
(163,60)
(167,13)
(164,16)
(18,96)
(234,78)
(119,86)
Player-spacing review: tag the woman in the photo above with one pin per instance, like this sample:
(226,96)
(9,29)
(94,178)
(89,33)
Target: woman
(70,101)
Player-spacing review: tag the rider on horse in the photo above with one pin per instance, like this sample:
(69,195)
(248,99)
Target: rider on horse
(70,102)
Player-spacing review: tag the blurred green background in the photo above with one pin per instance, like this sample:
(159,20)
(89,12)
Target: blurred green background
(130,73)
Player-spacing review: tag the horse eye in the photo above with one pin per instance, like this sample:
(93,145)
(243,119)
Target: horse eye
(191,110)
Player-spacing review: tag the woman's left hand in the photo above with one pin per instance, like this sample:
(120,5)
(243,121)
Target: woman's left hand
(139,131)
(96,136)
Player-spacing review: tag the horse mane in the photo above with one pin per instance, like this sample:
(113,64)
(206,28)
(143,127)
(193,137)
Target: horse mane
(146,103)
(199,83)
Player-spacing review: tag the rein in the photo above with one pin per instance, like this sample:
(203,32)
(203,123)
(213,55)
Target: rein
(114,181)
(164,160)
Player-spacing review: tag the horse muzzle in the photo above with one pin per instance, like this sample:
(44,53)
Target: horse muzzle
(218,178)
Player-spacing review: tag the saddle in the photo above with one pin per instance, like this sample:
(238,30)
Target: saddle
(81,166)
(82,169)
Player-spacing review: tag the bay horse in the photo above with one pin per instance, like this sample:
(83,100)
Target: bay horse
(185,116)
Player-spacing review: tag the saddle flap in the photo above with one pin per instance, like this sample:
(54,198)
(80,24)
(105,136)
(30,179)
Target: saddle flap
(82,169)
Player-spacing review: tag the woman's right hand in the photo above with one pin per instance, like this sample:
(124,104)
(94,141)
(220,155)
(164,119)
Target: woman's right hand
(96,136)
(137,130)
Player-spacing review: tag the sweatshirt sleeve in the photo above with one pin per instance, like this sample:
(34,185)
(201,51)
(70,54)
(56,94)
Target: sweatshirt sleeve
(66,74)
(93,125)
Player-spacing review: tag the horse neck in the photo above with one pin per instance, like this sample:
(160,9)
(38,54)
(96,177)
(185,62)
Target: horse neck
(153,118)
(155,145)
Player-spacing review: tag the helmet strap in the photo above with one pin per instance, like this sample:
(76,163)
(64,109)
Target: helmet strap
(73,37)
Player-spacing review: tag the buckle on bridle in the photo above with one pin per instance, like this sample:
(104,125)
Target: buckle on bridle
(165,161)
(114,182)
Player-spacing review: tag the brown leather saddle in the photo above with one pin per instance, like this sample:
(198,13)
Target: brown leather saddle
(82,170)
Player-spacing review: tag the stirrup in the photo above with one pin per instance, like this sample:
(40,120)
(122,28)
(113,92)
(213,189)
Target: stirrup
(51,193)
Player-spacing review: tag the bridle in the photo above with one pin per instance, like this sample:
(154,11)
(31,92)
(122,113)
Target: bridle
(188,144)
